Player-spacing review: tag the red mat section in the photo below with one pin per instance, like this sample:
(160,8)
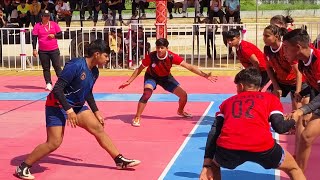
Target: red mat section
(192,84)
(80,156)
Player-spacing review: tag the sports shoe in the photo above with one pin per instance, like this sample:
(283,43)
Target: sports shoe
(124,163)
(49,87)
(136,122)
(23,172)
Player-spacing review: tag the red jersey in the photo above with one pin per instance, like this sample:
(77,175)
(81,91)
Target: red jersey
(246,121)
(283,69)
(246,50)
(311,70)
(160,68)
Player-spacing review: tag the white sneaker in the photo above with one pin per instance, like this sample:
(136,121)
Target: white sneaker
(49,87)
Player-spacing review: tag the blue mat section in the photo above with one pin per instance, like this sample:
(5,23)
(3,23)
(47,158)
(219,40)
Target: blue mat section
(31,96)
(188,164)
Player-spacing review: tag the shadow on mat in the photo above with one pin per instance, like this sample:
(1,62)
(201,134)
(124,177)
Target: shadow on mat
(230,174)
(25,87)
(58,159)
(127,118)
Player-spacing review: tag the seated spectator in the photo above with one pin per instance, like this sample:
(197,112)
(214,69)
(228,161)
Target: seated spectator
(114,44)
(24,14)
(99,5)
(14,16)
(87,5)
(7,5)
(170,6)
(133,21)
(203,4)
(35,8)
(114,5)
(63,12)
(142,4)
(233,10)
(196,5)
(3,20)
(215,10)
(46,5)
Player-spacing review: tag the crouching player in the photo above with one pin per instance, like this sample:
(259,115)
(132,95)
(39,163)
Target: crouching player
(241,131)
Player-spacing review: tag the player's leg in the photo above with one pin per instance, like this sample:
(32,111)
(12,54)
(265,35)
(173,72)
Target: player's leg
(55,131)
(291,168)
(88,121)
(311,132)
(149,86)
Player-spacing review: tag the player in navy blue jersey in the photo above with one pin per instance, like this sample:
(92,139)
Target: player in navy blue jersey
(66,103)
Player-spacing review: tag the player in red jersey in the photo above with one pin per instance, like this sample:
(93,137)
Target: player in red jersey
(241,131)
(159,64)
(282,21)
(296,44)
(284,75)
(248,54)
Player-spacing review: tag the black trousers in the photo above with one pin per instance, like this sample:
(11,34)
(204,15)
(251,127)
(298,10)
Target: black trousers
(45,58)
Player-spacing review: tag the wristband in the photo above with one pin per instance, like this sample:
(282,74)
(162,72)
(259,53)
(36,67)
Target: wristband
(207,166)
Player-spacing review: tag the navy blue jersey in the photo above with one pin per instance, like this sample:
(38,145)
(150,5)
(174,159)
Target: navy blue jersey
(80,80)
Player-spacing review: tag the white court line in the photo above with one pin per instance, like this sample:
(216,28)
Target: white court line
(277,171)
(166,170)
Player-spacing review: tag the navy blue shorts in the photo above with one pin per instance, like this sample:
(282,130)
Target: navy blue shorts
(56,116)
(168,83)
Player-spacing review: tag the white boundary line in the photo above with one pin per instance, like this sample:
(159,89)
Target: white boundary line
(277,171)
(166,170)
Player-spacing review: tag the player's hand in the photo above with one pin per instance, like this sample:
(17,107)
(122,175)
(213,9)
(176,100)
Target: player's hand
(277,92)
(125,84)
(72,118)
(295,115)
(297,96)
(206,174)
(99,117)
(210,77)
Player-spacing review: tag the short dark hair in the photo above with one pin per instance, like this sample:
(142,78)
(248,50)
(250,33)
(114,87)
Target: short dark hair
(249,76)
(282,20)
(162,42)
(232,33)
(98,45)
(298,36)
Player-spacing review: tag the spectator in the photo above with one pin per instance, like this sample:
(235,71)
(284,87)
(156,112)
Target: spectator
(47,32)
(98,5)
(209,36)
(86,5)
(233,10)
(170,6)
(3,20)
(63,12)
(142,4)
(196,5)
(24,14)
(7,7)
(203,4)
(114,5)
(133,21)
(215,10)
(35,8)
(46,5)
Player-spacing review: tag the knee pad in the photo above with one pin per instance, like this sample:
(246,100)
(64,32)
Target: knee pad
(147,92)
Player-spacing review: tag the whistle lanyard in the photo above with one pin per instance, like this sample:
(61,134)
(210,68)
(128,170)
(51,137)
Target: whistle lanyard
(49,26)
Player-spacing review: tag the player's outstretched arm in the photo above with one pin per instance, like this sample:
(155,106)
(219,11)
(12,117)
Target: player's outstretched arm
(197,71)
(136,73)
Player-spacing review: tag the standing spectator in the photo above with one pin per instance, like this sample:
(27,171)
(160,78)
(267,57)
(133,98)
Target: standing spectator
(233,10)
(35,8)
(47,32)
(63,12)
(3,23)
(209,36)
(24,14)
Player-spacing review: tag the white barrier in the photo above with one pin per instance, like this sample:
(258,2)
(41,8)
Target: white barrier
(187,40)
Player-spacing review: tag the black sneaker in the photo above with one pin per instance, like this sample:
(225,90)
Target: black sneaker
(23,172)
(123,163)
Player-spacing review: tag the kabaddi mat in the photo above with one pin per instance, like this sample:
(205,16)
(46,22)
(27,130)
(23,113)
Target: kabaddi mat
(169,147)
